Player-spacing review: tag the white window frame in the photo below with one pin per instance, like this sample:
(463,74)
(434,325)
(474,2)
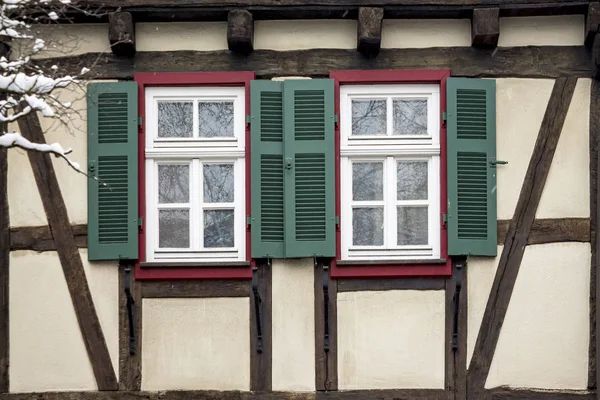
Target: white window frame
(390,149)
(195,151)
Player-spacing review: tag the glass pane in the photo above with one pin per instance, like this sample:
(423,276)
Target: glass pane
(410,117)
(218,228)
(412,180)
(412,226)
(175,119)
(173,228)
(367,226)
(218,183)
(367,181)
(173,183)
(369,117)
(216,118)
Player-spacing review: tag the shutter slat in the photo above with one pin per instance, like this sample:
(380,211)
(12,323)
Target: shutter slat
(112,158)
(472,225)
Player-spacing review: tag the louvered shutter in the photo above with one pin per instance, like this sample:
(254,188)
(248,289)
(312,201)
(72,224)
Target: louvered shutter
(471,122)
(113,159)
(267,169)
(309,168)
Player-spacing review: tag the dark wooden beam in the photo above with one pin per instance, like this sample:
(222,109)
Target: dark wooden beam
(195,288)
(326,366)
(456,347)
(39,238)
(485,27)
(524,394)
(518,234)
(369,30)
(358,285)
(130,363)
(121,34)
(592,22)
(552,230)
(596,57)
(240,31)
(68,253)
(261,363)
(4,271)
(594,215)
(502,62)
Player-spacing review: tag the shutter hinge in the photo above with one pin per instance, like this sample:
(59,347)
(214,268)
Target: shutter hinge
(458,280)
(445,116)
(248,220)
(325,307)
(337,220)
(140,121)
(140,222)
(257,310)
(445,220)
(130,309)
(248,119)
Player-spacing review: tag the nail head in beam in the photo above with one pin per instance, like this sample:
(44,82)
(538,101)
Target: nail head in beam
(240,31)
(369,30)
(592,23)
(121,34)
(485,27)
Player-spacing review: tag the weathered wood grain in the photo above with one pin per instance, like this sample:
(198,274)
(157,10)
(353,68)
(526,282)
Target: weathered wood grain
(516,62)
(4,271)
(510,394)
(456,358)
(552,230)
(369,30)
(485,27)
(518,234)
(121,34)
(68,253)
(39,238)
(240,31)
(195,288)
(592,22)
(326,367)
(594,154)
(358,285)
(261,364)
(130,365)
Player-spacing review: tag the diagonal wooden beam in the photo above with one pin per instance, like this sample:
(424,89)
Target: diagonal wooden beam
(70,260)
(518,233)
(130,362)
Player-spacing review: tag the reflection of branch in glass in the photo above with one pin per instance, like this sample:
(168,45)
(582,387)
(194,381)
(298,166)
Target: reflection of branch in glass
(218,183)
(218,228)
(412,180)
(175,119)
(173,183)
(216,119)
(410,117)
(367,181)
(369,117)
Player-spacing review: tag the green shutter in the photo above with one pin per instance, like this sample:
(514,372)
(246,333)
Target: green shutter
(267,169)
(472,226)
(309,168)
(113,159)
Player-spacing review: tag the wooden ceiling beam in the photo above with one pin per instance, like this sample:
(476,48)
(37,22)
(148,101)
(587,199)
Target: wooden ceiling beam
(240,31)
(485,27)
(369,30)
(592,23)
(121,34)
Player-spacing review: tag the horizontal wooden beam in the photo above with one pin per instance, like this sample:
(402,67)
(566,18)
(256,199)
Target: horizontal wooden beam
(215,10)
(39,238)
(359,285)
(195,288)
(515,62)
(522,394)
(552,230)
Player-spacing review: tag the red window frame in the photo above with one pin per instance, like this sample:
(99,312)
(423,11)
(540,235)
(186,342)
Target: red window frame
(401,269)
(153,79)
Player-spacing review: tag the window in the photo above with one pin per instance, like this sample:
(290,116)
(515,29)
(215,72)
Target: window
(390,172)
(195,174)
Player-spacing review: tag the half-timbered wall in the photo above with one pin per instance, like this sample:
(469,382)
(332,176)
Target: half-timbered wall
(386,338)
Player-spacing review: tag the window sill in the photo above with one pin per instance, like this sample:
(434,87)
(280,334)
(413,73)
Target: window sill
(216,264)
(391,268)
(390,262)
(162,270)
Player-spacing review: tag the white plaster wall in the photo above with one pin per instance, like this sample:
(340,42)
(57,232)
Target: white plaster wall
(305,34)
(47,352)
(171,36)
(520,108)
(391,339)
(196,344)
(560,30)
(415,33)
(293,321)
(567,189)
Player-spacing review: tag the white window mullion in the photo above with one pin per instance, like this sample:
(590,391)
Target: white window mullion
(195,212)
(390,190)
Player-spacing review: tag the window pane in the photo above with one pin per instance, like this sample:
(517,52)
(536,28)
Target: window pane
(218,183)
(410,117)
(367,181)
(367,226)
(412,180)
(218,228)
(175,119)
(216,118)
(173,183)
(412,226)
(173,228)
(369,117)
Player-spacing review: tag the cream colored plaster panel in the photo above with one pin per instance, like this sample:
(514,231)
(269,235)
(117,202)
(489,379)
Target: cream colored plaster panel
(567,189)
(305,34)
(25,204)
(419,33)
(563,30)
(391,339)
(47,352)
(293,325)
(544,340)
(171,36)
(200,343)
(520,108)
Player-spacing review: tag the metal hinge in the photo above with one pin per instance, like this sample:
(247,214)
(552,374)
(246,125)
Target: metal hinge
(325,307)
(337,220)
(248,221)
(140,222)
(140,121)
(248,119)
(445,220)
(444,116)
(130,310)
(257,310)
(458,280)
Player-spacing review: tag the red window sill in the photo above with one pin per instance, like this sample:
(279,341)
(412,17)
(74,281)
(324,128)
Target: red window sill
(171,271)
(391,269)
